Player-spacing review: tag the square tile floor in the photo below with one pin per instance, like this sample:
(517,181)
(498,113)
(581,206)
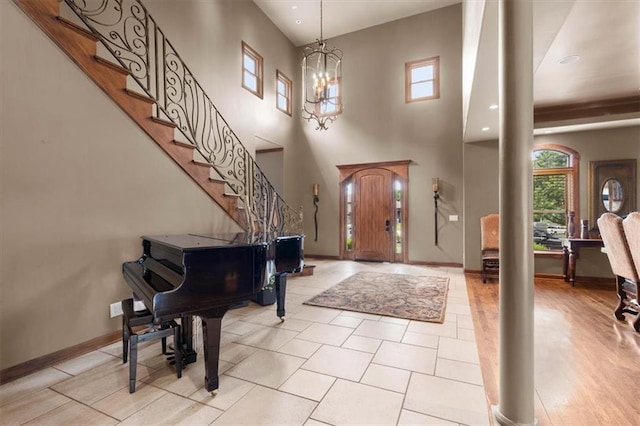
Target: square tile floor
(320,366)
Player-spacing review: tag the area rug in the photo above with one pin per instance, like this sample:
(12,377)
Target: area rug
(394,295)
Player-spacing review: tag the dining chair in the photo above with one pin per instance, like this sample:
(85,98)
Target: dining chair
(621,261)
(490,245)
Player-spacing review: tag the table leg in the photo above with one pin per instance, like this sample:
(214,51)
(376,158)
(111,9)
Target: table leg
(572,267)
(565,263)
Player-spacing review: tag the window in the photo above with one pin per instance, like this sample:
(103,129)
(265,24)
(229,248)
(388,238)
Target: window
(422,81)
(332,105)
(397,186)
(283,93)
(348,202)
(251,70)
(555,193)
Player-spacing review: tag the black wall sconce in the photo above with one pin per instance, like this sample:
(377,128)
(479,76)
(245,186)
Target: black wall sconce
(435,185)
(316,198)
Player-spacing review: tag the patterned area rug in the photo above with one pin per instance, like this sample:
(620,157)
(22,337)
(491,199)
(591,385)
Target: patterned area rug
(395,295)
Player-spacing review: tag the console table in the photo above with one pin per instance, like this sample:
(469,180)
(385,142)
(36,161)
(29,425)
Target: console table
(571,251)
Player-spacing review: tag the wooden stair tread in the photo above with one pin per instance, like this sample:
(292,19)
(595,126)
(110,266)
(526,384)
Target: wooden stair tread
(184,144)
(77,28)
(202,164)
(163,122)
(141,96)
(306,271)
(113,66)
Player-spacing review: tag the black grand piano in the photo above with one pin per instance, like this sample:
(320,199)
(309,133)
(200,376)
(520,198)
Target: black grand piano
(206,274)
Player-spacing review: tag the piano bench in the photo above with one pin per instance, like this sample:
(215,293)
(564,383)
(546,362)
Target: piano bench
(130,338)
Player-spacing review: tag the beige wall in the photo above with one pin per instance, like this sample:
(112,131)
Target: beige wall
(81,183)
(377,125)
(481,182)
(271,164)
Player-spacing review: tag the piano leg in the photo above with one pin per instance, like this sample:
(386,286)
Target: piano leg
(281,291)
(211,327)
(189,356)
(133,363)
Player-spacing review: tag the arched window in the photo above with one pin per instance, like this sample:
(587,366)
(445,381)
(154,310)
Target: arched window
(555,194)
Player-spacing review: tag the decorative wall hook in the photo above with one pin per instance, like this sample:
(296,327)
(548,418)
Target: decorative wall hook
(316,198)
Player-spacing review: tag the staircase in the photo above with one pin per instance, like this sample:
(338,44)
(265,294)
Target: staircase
(139,70)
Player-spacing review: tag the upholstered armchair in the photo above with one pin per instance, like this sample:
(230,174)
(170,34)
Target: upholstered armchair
(490,245)
(622,264)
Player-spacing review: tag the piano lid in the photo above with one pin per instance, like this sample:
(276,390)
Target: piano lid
(250,237)
(195,242)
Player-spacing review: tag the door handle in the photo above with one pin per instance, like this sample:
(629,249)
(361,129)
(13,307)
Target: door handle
(387,225)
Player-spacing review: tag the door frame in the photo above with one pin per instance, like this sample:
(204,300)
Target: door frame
(400,170)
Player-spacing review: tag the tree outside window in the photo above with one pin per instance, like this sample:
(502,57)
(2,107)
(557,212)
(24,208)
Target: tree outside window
(555,178)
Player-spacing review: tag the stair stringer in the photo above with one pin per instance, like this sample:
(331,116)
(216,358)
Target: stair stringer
(81,46)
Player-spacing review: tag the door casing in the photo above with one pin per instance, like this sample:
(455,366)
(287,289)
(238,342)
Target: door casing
(399,171)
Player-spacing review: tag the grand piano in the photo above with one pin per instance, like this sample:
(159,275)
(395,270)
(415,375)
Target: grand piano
(206,274)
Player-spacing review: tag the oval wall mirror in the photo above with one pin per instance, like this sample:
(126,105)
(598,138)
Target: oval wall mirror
(612,195)
(612,188)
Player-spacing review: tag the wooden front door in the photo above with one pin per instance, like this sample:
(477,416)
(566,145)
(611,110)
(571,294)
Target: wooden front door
(373,215)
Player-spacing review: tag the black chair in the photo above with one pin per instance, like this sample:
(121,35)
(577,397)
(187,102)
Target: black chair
(130,338)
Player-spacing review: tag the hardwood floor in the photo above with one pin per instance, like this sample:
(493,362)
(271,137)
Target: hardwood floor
(587,364)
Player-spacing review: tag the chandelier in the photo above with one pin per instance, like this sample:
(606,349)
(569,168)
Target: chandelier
(321,82)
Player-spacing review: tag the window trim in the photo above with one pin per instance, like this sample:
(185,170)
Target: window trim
(573,180)
(249,51)
(409,66)
(288,95)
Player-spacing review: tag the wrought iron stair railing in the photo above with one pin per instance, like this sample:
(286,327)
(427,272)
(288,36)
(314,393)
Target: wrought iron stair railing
(127,30)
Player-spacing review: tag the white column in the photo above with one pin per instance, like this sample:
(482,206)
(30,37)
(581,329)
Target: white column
(516,383)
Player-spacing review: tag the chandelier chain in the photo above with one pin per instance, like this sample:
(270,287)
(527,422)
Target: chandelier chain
(321,20)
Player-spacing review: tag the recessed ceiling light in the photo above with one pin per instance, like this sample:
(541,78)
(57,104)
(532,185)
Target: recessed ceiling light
(294,7)
(569,59)
(484,129)
(298,21)
(493,106)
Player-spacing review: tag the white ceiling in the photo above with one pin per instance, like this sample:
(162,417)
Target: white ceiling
(339,16)
(605,36)
(604,33)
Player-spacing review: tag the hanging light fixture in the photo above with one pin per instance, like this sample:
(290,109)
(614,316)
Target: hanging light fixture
(321,82)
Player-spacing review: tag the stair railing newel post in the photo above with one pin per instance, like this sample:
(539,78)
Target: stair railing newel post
(124,28)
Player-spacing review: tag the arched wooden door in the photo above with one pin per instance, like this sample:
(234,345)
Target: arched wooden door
(373,211)
(373,215)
